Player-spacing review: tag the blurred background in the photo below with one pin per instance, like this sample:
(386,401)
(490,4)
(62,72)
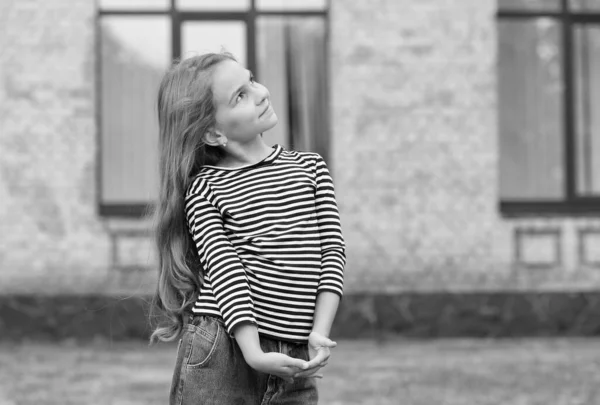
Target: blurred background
(464,141)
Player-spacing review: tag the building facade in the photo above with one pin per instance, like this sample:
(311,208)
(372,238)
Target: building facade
(415,92)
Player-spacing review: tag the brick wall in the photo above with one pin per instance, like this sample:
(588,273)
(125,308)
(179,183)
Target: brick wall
(414,156)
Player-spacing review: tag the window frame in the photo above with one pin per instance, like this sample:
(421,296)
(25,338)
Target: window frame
(177,18)
(572,204)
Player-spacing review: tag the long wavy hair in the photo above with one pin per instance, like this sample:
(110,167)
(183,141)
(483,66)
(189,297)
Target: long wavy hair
(185,113)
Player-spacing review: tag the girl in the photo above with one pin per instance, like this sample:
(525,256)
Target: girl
(251,253)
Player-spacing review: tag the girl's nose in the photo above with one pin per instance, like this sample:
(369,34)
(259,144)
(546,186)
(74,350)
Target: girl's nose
(262,94)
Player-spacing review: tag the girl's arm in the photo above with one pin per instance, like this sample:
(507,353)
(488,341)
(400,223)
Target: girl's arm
(286,367)
(325,310)
(333,260)
(224,270)
(319,344)
(333,248)
(333,251)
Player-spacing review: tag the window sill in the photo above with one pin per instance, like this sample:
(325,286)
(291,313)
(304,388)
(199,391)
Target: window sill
(589,207)
(137,210)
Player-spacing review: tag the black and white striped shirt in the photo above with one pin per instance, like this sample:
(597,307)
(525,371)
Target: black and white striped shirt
(269,240)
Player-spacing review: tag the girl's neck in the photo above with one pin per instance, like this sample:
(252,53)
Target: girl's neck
(244,154)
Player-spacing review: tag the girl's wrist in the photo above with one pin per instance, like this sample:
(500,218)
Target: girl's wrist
(252,354)
(246,335)
(254,358)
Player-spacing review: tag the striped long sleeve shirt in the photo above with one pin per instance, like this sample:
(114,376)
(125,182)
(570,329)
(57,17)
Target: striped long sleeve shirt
(269,240)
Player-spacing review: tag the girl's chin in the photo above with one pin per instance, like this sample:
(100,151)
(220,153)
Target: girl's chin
(273,120)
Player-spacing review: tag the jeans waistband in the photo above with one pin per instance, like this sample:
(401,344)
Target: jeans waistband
(194,319)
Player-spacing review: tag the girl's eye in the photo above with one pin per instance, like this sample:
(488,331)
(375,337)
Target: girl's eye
(240,97)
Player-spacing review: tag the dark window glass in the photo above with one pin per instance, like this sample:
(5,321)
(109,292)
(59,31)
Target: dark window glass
(530,110)
(291,61)
(134,55)
(587,103)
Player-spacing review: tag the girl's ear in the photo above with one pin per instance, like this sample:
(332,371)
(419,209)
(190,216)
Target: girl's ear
(214,138)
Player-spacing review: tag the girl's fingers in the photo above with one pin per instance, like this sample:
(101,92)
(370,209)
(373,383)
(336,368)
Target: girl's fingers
(310,372)
(316,364)
(298,363)
(291,371)
(326,342)
(319,359)
(307,373)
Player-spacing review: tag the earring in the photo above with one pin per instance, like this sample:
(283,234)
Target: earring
(224,143)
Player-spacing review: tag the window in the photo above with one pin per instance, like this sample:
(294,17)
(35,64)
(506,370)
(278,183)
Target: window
(284,42)
(548,87)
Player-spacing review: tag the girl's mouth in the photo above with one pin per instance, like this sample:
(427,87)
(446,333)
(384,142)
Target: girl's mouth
(265,111)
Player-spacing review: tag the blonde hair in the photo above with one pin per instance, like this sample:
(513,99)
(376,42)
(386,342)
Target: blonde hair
(185,113)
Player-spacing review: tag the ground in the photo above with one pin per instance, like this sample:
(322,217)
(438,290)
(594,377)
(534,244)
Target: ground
(399,372)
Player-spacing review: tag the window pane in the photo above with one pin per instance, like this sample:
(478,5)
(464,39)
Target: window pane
(530,110)
(212,5)
(529,5)
(291,5)
(134,4)
(291,62)
(587,79)
(199,37)
(134,55)
(584,5)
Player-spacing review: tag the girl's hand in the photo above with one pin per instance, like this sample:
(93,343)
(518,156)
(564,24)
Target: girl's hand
(318,352)
(278,364)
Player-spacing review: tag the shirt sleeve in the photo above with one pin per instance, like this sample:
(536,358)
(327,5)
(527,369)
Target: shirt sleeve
(333,256)
(219,259)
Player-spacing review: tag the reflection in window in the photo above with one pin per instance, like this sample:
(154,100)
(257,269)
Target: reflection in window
(135,52)
(199,37)
(587,79)
(530,110)
(288,53)
(291,62)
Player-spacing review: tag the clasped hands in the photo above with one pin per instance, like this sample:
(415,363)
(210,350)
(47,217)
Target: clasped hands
(288,368)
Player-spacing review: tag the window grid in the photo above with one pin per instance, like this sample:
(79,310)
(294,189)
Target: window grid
(178,17)
(572,204)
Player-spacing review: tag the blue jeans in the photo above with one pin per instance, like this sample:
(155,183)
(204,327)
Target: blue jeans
(211,370)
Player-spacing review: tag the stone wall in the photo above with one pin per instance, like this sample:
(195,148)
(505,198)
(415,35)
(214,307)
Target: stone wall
(415,146)
(52,240)
(50,236)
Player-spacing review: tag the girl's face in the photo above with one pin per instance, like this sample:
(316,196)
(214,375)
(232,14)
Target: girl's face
(243,107)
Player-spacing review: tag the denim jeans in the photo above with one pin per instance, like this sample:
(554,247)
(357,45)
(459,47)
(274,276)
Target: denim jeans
(210,370)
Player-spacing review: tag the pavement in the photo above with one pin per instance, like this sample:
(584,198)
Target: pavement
(367,372)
